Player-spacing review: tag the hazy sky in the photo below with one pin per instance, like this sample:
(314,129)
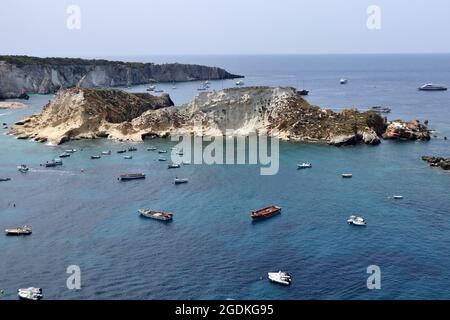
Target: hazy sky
(176,27)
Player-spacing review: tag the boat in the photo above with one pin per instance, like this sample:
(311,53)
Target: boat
(58,162)
(162,159)
(132,149)
(128,157)
(31,293)
(158,91)
(186,163)
(397,197)
(432,87)
(151,149)
(347,175)
(240,83)
(173,166)
(122,151)
(380,109)
(305,165)
(303,92)
(266,212)
(343,81)
(19,231)
(131,176)
(280,277)
(52,164)
(5,179)
(106,153)
(95,157)
(181,180)
(70,151)
(23,168)
(356,221)
(202,89)
(157,215)
(162,151)
(151,88)
(64,155)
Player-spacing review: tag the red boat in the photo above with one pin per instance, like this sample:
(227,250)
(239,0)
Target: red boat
(266,212)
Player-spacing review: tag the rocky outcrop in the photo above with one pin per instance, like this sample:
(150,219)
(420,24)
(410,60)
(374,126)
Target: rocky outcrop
(12,105)
(20,75)
(87,113)
(413,130)
(440,162)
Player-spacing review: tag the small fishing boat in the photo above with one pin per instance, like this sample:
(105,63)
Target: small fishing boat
(128,157)
(122,151)
(95,157)
(5,179)
(280,277)
(181,180)
(173,166)
(162,159)
(266,212)
(343,81)
(162,151)
(64,155)
(347,175)
(157,215)
(303,92)
(132,149)
(397,197)
(380,109)
(432,87)
(23,168)
(19,231)
(240,83)
(304,165)
(357,221)
(151,149)
(70,151)
(131,176)
(106,153)
(31,293)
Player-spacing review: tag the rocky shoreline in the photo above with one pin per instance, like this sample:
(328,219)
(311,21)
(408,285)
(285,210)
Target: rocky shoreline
(20,75)
(440,162)
(12,105)
(80,113)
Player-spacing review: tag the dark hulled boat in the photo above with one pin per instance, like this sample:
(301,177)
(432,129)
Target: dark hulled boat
(131,176)
(266,212)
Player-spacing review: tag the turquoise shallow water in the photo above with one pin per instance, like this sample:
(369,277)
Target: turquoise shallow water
(212,249)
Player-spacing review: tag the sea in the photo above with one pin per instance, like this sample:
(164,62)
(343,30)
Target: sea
(83,216)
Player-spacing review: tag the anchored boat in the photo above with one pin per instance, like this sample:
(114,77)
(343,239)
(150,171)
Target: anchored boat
(151,149)
(280,277)
(157,215)
(305,165)
(23,168)
(5,179)
(128,157)
(19,231)
(132,149)
(432,87)
(131,176)
(64,155)
(95,157)
(266,212)
(31,293)
(181,180)
(357,221)
(121,151)
(173,166)
(106,153)
(347,175)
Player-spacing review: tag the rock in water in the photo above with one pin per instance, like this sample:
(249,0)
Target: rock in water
(441,162)
(401,130)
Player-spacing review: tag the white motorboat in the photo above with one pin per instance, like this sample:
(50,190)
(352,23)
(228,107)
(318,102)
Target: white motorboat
(128,157)
(70,151)
(181,180)
(106,153)
(432,87)
(343,81)
(162,159)
(280,277)
(357,221)
(347,175)
(162,151)
(23,168)
(31,293)
(240,83)
(19,231)
(151,88)
(173,166)
(397,197)
(304,165)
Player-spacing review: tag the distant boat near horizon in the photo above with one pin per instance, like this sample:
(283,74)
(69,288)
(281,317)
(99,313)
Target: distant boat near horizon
(343,81)
(432,87)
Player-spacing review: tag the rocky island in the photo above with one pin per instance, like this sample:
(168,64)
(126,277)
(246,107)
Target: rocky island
(80,113)
(20,75)
(440,162)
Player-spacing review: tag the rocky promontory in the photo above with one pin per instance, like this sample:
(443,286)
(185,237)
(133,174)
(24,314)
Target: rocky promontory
(401,130)
(440,162)
(89,113)
(20,75)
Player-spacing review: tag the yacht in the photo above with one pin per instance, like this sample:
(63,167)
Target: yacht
(347,175)
(432,87)
(343,81)
(31,293)
(19,231)
(181,180)
(398,197)
(280,277)
(305,165)
(23,168)
(106,153)
(131,176)
(157,215)
(357,221)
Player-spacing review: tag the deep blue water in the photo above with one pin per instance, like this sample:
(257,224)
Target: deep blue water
(212,250)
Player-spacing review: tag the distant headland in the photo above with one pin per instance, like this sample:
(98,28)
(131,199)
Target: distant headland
(21,75)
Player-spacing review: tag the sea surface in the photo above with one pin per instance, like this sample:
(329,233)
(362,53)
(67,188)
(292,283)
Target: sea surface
(81,215)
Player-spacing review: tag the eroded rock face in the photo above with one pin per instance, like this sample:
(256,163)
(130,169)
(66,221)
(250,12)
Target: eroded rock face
(88,113)
(440,162)
(20,75)
(401,130)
